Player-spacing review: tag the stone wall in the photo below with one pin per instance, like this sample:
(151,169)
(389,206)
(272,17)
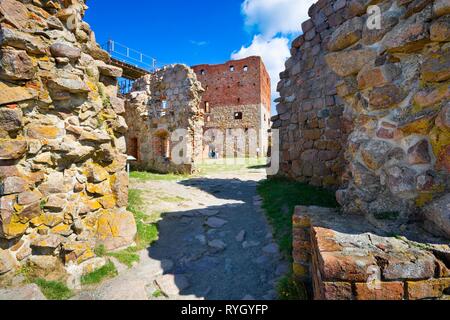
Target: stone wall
(380,95)
(395,84)
(160,103)
(312,133)
(238,86)
(236,82)
(63,185)
(357,261)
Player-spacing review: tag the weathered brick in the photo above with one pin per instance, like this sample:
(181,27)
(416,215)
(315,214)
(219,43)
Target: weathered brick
(336,266)
(427,289)
(335,291)
(380,291)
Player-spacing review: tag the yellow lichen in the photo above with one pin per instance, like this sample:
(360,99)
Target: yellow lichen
(423,199)
(440,140)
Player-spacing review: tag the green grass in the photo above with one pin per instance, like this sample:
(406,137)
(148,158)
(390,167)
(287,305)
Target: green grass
(97,276)
(171,199)
(100,251)
(289,289)
(157,294)
(150,176)
(54,290)
(230,165)
(127,257)
(146,233)
(281,196)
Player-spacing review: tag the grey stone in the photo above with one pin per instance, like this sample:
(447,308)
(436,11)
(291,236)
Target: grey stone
(16,65)
(216,222)
(172,285)
(437,214)
(271,249)
(241,236)
(209,213)
(10,119)
(250,244)
(217,244)
(26,293)
(6,262)
(63,50)
(201,238)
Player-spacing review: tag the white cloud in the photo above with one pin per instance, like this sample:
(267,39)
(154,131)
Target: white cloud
(274,53)
(277,22)
(272,17)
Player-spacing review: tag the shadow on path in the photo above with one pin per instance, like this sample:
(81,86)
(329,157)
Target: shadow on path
(244,267)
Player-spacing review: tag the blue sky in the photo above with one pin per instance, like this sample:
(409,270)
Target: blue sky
(191,32)
(202,31)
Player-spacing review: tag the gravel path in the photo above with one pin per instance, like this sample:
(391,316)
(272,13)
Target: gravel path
(215,244)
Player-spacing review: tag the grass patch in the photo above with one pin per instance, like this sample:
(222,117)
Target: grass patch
(54,290)
(127,257)
(281,196)
(289,289)
(146,233)
(157,294)
(230,165)
(107,271)
(150,176)
(171,199)
(100,251)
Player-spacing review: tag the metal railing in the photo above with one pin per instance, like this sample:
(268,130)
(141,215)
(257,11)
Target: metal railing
(125,86)
(130,56)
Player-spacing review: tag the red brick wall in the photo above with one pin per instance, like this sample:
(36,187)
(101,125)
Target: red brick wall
(225,87)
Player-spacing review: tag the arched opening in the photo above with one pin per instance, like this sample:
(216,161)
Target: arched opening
(161,144)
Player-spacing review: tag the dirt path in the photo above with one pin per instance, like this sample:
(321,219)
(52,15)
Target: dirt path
(214,243)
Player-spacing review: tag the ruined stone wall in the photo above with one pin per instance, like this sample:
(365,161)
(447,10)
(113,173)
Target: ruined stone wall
(63,185)
(312,133)
(380,95)
(160,103)
(357,261)
(395,84)
(247,84)
(238,86)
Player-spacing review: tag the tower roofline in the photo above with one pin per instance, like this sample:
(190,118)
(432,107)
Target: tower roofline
(251,58)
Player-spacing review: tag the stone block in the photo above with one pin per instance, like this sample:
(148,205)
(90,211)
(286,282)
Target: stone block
(437,214)
(350,62)
(436,66)
(346,35)
(338,266)
(440,29)
(116,229)
(441,7)
(380,291)
(337,291)
(427,289)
